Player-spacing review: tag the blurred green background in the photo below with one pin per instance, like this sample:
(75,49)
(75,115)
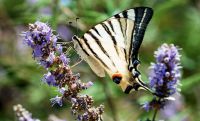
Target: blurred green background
(174,21)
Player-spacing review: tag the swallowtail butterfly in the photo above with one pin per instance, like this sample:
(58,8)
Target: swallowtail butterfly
(112,46)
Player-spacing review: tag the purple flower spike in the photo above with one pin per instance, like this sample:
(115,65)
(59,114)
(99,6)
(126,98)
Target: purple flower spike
(165,73)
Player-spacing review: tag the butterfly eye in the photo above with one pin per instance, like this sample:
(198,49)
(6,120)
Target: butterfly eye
(117,77)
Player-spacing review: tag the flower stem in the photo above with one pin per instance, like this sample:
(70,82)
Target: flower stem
(154,115)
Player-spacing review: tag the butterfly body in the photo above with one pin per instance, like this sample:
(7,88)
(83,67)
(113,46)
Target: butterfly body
(112,46)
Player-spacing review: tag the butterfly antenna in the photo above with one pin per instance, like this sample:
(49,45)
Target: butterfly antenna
(77,26)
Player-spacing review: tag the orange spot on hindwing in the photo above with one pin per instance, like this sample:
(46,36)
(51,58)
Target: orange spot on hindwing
(117,77)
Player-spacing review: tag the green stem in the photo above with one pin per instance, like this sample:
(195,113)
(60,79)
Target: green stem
(154,115)
(156,111)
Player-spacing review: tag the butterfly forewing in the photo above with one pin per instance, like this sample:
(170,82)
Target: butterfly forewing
(113,46)
(141,17)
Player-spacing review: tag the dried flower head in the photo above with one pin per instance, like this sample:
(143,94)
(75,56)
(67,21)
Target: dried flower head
(93,114)
(49,55)
(22,114)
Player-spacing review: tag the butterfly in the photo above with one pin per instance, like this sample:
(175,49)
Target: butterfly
(112,46)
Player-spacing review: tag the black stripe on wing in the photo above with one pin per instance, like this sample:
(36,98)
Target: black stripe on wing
(109,33)
(129,14)
(142,17)
(93,52)
(111,26)
(95,30)
(97,41)
(125,14)
(75,38)
(121,27)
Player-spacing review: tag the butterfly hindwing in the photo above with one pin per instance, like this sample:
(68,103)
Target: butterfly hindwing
(113,46)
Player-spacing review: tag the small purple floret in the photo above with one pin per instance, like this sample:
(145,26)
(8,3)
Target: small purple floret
(59,48)
(146,106)
(62,90)
(89,84)
(56,100)
(49,79)
(64,59)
